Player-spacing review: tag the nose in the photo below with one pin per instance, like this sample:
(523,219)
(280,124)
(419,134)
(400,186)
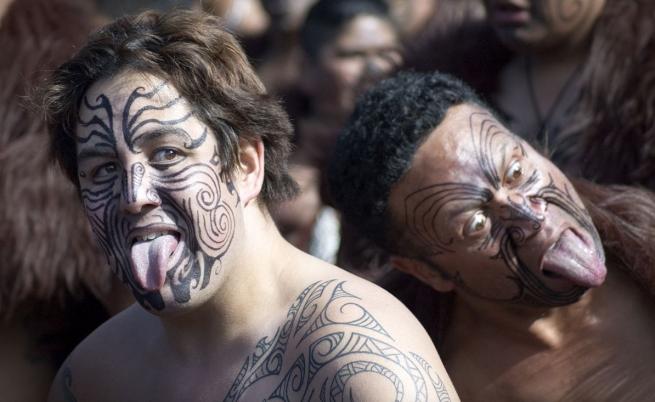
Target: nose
(136,193)
(375,68)
(522,216)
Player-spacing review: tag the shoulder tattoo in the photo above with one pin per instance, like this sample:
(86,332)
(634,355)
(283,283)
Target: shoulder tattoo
(67,384)
(327,326)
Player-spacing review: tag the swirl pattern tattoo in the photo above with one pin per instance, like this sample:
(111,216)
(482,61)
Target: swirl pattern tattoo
(189,195)
(336,339)
(517,218)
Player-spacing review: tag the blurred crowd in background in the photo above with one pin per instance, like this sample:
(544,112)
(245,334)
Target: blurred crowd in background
(577,83)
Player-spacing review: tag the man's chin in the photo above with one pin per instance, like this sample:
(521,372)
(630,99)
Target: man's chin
(566,297)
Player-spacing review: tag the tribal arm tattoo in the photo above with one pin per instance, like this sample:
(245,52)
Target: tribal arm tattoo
(329,338)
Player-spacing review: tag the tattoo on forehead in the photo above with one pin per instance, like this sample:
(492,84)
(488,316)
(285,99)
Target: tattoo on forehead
(104,128)
(423,206)
(487,134)
(328,327)
(133,120)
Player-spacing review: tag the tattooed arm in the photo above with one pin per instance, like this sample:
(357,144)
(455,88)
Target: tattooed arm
(336,345)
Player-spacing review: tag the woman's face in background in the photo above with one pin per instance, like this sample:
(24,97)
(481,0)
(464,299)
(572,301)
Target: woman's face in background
(366,50)
(533,25)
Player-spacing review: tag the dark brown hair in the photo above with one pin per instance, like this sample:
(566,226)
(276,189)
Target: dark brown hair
(47,253)
(204,63)
(617,107)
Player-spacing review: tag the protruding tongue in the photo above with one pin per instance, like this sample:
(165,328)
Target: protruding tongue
(150,261)
(572,259)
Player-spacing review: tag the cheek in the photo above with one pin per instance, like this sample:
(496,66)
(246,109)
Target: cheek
(564,17)
(208,208)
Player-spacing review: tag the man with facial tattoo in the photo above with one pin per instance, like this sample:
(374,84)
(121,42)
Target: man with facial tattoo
(465,206)
(178,152)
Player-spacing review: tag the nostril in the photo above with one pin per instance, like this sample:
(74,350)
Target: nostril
(538,204)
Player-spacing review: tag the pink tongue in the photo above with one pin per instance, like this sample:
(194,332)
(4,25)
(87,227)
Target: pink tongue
(150,261)
(574,260)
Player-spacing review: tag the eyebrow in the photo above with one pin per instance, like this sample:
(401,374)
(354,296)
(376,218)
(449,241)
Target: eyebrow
(151,135)
(463,206)
(161,132)
(89,153)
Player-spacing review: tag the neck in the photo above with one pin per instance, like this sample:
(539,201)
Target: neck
(544,327)
(566,58)
(249,292)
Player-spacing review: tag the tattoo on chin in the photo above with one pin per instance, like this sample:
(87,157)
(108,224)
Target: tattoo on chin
(191,196)
(331,332)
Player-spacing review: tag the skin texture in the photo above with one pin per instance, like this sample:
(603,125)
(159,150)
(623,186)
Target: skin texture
(258,319)
(537,336)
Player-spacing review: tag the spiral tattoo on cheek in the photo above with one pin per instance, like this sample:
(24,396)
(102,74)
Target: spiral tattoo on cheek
(189,195)
(193,198)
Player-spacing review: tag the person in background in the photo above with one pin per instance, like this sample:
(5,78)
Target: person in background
(279,58)
(347,46)
(552,282)
(245,18)
(53,288)
(539,87)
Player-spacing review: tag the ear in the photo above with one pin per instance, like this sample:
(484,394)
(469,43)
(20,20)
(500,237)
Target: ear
(428,274)
(250,176)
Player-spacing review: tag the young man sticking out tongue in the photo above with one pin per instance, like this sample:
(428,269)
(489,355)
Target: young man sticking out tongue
(466,206)
(178,152)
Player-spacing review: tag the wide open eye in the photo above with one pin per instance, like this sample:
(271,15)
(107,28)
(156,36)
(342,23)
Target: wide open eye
(514,172)
(477,224)
(166,156)
(105,170)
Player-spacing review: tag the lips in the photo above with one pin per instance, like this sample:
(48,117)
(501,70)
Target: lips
(574,258)
(509,14)
(151,251)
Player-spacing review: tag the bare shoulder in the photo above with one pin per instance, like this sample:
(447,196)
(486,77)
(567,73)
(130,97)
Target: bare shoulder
(97,362)
(347,339)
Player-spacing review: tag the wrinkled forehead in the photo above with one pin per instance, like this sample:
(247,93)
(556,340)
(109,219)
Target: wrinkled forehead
(464,146)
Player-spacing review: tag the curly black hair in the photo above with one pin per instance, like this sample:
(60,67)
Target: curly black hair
(377,146)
